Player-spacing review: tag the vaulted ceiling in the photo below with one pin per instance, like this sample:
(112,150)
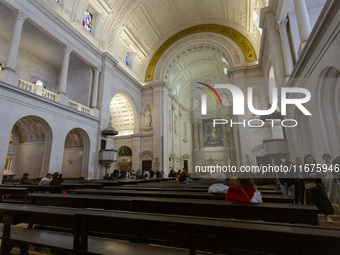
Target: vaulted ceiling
(142,27)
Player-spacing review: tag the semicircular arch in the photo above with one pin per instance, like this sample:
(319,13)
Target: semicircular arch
(246,47)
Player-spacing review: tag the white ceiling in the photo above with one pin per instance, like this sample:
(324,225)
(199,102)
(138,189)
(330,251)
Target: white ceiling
(142,26)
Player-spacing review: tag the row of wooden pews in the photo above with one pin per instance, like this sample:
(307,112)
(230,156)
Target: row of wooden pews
(191,223)
(190,233)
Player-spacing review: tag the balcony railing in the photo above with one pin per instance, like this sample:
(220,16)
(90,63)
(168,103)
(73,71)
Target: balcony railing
(37,90)
(52,96)
(80,107)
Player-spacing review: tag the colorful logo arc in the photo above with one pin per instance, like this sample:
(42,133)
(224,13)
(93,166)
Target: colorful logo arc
(208,92)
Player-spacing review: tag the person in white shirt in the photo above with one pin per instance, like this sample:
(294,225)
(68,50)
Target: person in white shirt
(46,180)
(219,187)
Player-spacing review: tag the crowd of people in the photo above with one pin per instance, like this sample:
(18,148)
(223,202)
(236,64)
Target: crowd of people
(321,188)
(54,179)
(181,175)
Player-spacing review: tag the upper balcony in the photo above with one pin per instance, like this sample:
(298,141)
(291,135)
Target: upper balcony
(53,96)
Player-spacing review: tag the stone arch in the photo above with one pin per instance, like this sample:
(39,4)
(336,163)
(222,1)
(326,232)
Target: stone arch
(31,147)
(125,159)
(124,114)
(246,47)
(328,103)
(204,41)
(76,153)
(124,151)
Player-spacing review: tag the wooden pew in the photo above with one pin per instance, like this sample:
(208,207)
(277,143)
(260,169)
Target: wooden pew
(193,233)
(14,191)
(40,188)
(175,194)
(211,235)
(191,189)
(64,218)
(304,214)
(13,214)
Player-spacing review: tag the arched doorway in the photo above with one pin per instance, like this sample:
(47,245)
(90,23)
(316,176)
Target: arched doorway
(75,162)
(125,158)
(125,121)
(29,148)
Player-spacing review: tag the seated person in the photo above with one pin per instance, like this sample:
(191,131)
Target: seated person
(46,180)
(243,190)
(172,174)
(24,179)
(146,175)
(123,174)
(219,187)
(183,178)
(55,180)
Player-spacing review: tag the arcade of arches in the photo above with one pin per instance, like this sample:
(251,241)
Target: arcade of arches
(143,66)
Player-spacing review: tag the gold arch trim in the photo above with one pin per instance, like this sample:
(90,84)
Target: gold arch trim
(242,41)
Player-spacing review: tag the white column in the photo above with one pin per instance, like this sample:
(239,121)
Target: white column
(157,124)
(95,87)
(287,55)
(15,41)
(302,19)
(276,50)
(64,70)
(135,152)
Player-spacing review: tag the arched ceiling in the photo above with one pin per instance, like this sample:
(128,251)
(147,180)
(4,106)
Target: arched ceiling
(122,115)
(30,129)
(74,139)
(142,27)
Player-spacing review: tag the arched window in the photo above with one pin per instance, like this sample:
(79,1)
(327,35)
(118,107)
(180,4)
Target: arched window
(87,21)
(130,58)
(127,59)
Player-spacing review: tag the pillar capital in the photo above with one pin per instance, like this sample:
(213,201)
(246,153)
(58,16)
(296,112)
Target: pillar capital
(19,15)
(96,69)
(282,25)
(67,49)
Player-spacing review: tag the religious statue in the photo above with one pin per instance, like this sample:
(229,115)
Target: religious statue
(147,117)
(196,102)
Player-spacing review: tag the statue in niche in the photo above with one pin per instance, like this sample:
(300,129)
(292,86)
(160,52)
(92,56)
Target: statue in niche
(147,117)
(196,103)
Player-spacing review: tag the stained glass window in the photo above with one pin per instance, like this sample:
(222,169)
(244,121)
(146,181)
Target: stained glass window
(87,21)
(11,138)
(127,58)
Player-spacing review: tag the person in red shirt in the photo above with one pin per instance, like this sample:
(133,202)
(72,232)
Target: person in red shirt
(243,190)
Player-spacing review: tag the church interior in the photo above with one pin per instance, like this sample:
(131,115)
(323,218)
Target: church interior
(91,87)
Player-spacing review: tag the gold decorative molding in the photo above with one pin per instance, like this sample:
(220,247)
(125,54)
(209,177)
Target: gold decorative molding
(242,42)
